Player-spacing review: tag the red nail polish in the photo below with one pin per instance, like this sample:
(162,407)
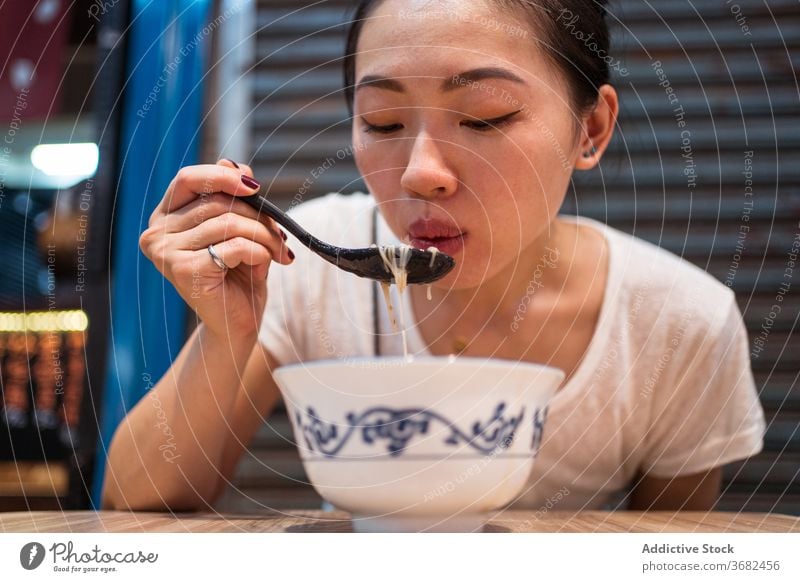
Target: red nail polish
(250,183)
(290,253)
(235,165)
(283,235)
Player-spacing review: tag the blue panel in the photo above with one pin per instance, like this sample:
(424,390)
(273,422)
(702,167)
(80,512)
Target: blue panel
(167,55)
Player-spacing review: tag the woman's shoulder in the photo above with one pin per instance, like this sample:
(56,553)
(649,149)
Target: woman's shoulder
(652,283)
(662,270)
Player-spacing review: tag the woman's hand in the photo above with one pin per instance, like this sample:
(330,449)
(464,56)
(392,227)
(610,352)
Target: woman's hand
(200,209)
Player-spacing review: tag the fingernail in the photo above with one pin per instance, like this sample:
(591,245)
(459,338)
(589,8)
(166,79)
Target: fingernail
(250,183)
(290,253)
(235,165)
(283,234)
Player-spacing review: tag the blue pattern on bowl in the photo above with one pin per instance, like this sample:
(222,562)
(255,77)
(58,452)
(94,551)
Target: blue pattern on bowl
(397,427)
(539,418)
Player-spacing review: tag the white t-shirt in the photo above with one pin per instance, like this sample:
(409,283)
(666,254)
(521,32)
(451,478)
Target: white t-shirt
(665,386)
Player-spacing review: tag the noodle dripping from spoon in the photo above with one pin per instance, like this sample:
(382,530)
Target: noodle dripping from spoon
(395,261)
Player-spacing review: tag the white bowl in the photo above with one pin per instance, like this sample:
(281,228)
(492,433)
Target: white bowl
(432,444)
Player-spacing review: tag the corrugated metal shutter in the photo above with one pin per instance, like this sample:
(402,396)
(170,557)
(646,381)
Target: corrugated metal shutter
(687,191)
(739,93)
(300,116)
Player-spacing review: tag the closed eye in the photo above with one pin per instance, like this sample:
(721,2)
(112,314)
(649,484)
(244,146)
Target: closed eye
(476,124)
(487,124)
(370,128)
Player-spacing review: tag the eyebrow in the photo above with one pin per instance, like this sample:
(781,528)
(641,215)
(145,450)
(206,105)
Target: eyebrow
(449,84)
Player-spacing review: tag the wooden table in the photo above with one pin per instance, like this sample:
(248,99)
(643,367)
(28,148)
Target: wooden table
(318,521)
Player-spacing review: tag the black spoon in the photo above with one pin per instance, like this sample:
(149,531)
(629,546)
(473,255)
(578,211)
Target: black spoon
(422,266)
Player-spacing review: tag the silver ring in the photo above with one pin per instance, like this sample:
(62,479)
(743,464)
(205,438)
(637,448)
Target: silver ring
(216,258)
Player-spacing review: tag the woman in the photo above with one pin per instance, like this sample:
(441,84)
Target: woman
(469,118)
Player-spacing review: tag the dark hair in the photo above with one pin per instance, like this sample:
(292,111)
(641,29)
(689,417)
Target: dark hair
(575,36)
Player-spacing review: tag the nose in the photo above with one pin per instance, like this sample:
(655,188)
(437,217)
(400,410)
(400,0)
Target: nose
(427,175)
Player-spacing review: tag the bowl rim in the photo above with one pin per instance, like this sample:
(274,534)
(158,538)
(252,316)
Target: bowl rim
(480,362)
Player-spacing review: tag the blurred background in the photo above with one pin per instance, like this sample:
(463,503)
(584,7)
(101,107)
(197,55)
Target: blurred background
(102,101)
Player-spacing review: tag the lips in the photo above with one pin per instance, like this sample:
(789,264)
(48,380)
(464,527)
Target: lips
(431,232)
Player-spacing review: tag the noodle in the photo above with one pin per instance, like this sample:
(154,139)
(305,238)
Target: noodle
(395,260)
(385,288)
(433,251)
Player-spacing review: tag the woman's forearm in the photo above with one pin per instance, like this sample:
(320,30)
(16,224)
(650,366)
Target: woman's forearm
(167,452)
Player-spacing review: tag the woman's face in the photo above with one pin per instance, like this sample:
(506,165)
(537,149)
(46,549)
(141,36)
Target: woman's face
(463,131)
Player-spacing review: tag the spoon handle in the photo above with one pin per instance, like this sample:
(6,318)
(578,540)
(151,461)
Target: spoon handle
(260,203)
(423,266)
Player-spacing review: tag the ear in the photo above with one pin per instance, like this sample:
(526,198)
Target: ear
(597,128)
